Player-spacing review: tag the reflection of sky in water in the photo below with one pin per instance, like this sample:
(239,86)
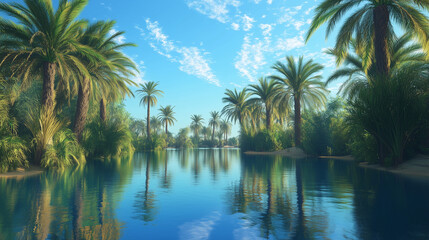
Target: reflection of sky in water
(215,194)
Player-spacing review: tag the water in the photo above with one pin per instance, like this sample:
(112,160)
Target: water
(214,194)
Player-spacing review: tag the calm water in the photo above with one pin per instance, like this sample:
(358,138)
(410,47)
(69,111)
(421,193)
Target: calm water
(214,194)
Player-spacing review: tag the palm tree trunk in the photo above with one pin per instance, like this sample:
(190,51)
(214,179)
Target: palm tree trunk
(166,128)
(148,121)
(297,121)
(213,133)
(103,110)
(268,117)
(381,25)
(81,108)
(48,91)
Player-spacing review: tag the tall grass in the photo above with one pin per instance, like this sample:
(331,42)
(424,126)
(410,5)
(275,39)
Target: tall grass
(392,110)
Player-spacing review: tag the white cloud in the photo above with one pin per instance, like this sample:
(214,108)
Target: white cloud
(191,59)
(266,29)
(235,26)
(309,10)
(250,59)
(290,43)
(269,1)
(199,229)
(119,39)
(214,9)
(247,22)
(298,24)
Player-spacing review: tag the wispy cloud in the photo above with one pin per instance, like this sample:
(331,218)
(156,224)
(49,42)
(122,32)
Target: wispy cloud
(199,229)
(251,58)
(214,9)
(192,60)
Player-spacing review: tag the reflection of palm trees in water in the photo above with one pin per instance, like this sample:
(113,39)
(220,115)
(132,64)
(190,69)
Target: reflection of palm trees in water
(145,203)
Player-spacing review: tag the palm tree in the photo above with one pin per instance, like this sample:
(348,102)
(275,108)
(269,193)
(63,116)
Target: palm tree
(102,75)
(237,107)
(214,121)
(166,116)
(149,94)
(155,124)
(372,25)
(266,93)
(206,131)
(403,51)
(301,83)
(45,43)
(225,128)
(196,124)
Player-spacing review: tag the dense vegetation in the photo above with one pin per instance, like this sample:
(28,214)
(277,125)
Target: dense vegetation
(383,118)
(63,79)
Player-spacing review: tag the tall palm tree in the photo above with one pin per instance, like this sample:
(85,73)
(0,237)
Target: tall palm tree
(196,124)
(403,51)
(301,84)
(371,22)
(102,74)
(214,121)
(265,94)
(237,107)
(149,94)
(44,43)
(225,128)
(166,116)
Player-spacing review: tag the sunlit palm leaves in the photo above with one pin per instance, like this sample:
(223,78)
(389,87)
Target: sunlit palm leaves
(301,86)
(44,43)
(265,94)
(166,116)
(149,96)
(196,125)
(237,107)
(371,24)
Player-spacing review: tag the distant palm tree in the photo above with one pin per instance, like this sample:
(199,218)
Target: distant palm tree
(301,84)
(225,128)
(45,43)
(265,94)
(371,23)
(206,131)
(237,107)
(149,94)
(196,124)
(137,127)
(166,116)
(155,124)
(214,121)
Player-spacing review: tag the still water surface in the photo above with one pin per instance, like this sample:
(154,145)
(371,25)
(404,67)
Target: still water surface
(214,194)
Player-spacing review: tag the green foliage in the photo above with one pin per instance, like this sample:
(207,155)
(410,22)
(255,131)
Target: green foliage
(12,153)
(392,111)
(111,139)
(64,152)
(262,141)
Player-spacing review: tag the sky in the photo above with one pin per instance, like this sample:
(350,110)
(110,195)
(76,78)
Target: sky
(196,49)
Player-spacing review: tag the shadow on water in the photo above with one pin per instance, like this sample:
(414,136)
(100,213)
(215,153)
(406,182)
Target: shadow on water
(250,197)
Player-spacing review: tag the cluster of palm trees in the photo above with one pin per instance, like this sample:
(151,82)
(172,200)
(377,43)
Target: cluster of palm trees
(73,58)
(217,128)
(297,84)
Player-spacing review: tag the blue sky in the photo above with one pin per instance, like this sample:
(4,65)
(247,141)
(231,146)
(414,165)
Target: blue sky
(196,49)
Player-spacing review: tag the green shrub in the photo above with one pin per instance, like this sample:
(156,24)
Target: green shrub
(12,153)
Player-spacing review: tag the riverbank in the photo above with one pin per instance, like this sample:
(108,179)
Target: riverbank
(415,167)
(293,152)
(21,173)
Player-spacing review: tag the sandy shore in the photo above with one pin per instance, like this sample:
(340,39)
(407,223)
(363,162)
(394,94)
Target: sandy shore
(416,167)
(21,173)
(289,152)
(345,158)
